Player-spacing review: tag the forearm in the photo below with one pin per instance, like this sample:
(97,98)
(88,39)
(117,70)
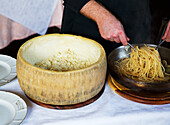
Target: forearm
(95,11)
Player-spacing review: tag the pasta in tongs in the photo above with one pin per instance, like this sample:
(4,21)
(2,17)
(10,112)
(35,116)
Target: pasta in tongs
(143,65)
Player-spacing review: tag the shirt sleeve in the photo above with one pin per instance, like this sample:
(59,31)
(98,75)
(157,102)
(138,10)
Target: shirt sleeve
(75,5)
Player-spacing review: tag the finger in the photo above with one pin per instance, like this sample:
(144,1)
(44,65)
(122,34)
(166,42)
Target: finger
(117,40)
(112,38)
(167,40)
(166,31)
(123,38)
(165,34)
(128,39)
(168,36)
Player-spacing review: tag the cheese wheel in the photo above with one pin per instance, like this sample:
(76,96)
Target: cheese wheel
(65,87)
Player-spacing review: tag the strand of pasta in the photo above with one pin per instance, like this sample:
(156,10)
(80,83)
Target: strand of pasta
(143,64)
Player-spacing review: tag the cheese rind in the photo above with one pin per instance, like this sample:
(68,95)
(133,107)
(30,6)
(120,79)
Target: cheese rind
(61,87)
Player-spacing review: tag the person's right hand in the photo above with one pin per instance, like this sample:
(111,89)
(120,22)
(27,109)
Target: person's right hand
(109,26)
(111,29)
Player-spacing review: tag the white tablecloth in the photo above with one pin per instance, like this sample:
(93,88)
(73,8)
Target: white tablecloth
(109,109)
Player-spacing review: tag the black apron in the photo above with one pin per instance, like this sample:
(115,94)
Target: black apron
(133,14)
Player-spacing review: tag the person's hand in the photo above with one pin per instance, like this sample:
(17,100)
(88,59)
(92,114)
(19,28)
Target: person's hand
(111,29)
(167,33)
(109,26)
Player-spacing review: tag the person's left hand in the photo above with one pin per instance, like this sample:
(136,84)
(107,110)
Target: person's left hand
(167,33)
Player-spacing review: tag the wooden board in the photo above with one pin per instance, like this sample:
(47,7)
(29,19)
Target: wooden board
(140,97)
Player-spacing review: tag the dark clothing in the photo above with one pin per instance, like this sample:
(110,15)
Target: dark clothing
(133,14)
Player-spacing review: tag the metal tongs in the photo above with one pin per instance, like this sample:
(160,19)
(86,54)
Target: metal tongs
(131,46)
(160,43)
(161,40)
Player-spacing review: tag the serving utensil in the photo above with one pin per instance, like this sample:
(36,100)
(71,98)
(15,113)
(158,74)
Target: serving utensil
(161,40)
(160,44)
(131,46)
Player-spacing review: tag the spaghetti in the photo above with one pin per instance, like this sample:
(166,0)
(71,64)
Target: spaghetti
(142,65)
